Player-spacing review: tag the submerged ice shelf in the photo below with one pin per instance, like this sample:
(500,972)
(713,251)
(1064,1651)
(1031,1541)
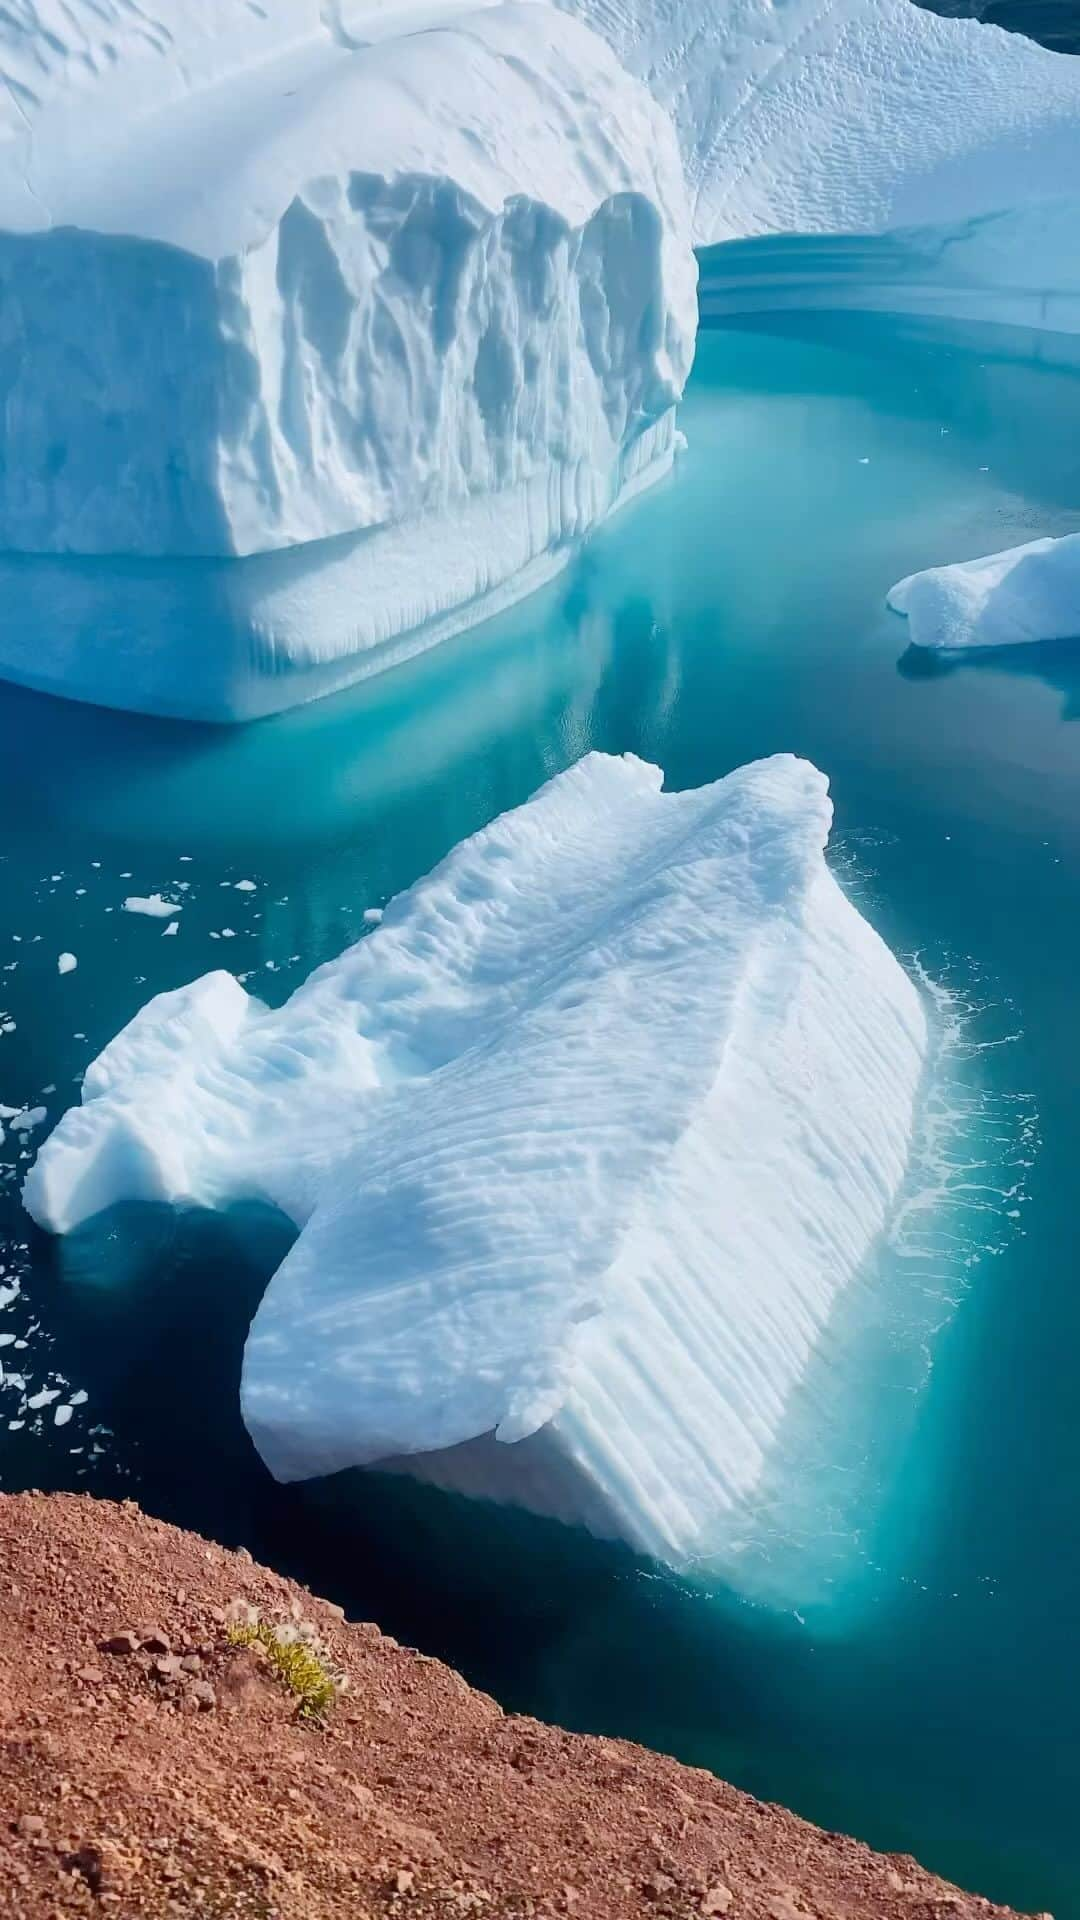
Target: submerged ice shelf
(389,306)
(582,1143)
(1009,599)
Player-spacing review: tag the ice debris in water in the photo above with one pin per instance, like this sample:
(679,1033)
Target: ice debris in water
(66,963)
(153,904)
(582,1143)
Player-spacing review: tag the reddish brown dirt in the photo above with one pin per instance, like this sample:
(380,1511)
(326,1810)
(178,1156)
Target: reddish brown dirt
(125,1793)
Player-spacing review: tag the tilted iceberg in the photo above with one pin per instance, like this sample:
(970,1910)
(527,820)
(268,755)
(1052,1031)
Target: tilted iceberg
(389,302)
(583,1143)
(1001,600)
(866,118)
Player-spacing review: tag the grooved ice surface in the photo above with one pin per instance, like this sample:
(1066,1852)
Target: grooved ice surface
(1005,599)
(583,1142)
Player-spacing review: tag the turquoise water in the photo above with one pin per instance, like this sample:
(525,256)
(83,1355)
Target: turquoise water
(905,1665)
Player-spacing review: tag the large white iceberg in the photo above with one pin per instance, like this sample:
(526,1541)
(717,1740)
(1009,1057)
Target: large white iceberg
(391,302)
(582,1143)
(1000,600)
(867,118)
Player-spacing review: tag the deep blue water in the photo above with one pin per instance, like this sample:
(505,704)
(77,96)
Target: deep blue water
(907,1667)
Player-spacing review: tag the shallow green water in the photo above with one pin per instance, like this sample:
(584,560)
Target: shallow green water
(907,1666)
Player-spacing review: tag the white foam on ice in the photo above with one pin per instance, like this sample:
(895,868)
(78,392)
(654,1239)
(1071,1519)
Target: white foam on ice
(583,1141)
(276,283)
(1008,599)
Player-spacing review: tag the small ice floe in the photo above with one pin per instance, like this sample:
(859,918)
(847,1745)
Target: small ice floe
(66,963)
(25,1119)
(373,915)
(173,927)
(44,1397)
(244,886)
(62,1414)
(152,904)
(1022,595)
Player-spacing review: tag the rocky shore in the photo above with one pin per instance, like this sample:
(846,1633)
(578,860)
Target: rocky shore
(167,1750)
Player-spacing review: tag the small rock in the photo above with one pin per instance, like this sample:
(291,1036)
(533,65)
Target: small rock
(167,1666)
(404,1880)
(152,1640)
(92,1676)
(204,1696)
(243,1554)
(30,1825)
(191,1663)
(121,1643)
(716,1899)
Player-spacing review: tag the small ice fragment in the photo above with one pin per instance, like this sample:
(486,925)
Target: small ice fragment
(79,891)
(7,1339)
(864,460)
(244,886)
(43,1398)
(67,963)
(173,927)
(228,933)
(28,1119)
(14,1425)
(153,905)
(373,915)
(61,1415)
(79,1399)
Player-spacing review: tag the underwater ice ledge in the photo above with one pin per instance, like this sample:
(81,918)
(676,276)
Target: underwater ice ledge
(583,1145)
(235,639)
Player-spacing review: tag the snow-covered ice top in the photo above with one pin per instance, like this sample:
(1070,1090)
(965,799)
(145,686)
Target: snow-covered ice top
(265,282)
(583,1142)
(852,116)
(1000,600)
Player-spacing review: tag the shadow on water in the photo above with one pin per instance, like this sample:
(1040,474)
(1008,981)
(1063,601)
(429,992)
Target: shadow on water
(1055,662)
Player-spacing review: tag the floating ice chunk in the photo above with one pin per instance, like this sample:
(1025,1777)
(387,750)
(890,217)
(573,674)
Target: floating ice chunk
(62,1414)
(27,1119)
(583,1141)
(66,963)
(1002,600)
(153,904)
(373,915)
(244,886)
(43,1398)
(173,927)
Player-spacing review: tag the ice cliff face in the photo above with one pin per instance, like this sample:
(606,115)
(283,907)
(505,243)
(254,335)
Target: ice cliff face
(583,1143)
(271,275)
